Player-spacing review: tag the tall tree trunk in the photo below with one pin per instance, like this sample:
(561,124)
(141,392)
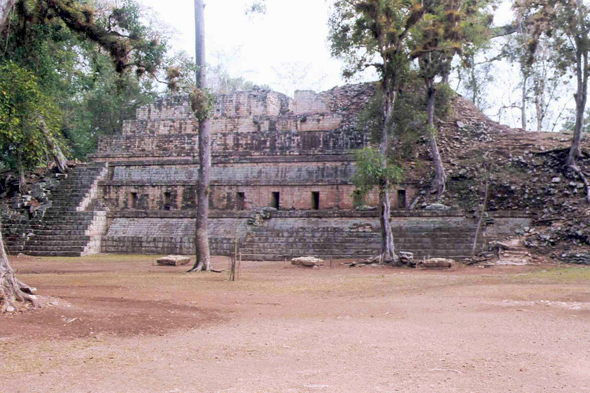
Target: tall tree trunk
(539,88)
(440,178)
(581,99)
(523,119)
(387,244)
(58,156)
(203,256)
(12,290)
(22,182)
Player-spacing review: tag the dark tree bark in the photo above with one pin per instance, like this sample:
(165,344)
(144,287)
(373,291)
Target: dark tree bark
(13,292)
(523,117)
(581,100)
(440,178)
(203,257)
(22,182)
(60,159)
(387,244)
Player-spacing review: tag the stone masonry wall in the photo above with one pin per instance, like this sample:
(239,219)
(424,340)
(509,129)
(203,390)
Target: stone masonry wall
(184,197)
(267,149)
(324,235)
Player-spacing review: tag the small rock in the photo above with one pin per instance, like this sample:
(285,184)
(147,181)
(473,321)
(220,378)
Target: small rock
(438,207)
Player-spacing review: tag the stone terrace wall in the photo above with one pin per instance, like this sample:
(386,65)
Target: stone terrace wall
(230,144)
(323,234)
(258,122)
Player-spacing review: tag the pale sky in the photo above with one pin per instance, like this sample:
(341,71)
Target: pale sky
(264,49)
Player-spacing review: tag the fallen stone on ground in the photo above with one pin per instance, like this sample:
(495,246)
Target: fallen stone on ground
(438,263)
(173,260)
(307,262)
(512,252)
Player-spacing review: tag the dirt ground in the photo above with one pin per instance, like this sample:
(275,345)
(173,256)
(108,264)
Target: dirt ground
(122,324)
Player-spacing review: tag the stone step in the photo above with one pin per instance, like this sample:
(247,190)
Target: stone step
(47,232)
(64,248)
(52,215)
(61,227)
(54,253)
(60,238)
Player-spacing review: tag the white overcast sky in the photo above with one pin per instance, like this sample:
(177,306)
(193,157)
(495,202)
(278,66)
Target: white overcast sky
(292,34)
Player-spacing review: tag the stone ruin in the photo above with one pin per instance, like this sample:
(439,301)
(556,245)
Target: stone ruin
(281,177)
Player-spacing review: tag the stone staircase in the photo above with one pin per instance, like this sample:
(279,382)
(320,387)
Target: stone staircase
(266,244)
(285,238)
(71,227)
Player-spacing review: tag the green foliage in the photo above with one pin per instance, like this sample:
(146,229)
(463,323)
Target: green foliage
(23,107)
(374,33)
(409,117)
(373,169)
(570,122)
(444,99)
(565,22)
(202,103)
(90,60)
(256,7)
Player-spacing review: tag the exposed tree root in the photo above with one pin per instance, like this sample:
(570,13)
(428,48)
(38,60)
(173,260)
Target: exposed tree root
(13,292)
(200,268)
(378,259)
(560,151)
(438,186)
(577,170)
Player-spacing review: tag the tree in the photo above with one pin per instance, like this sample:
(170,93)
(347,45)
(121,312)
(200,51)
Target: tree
(540,80)
(13,292)
(435,42)
(444,31)
(478,55)
(201,106)
(570,122)
(375,33)
(6,7)
(37,36)
(567,24)
(67,45)
(29,121)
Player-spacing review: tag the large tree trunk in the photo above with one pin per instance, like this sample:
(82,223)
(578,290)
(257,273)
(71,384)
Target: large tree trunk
(203,257)
(440,178)
(13,292)
(581,99)
(60,159)
(387,244)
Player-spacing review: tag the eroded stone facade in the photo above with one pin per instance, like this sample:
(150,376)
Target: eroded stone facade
(296,155)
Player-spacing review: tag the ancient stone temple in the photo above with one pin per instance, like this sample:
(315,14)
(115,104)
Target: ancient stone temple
(281,184)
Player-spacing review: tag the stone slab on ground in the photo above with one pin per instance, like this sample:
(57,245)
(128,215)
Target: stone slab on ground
(173,260)
(438,263)
(307,262)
